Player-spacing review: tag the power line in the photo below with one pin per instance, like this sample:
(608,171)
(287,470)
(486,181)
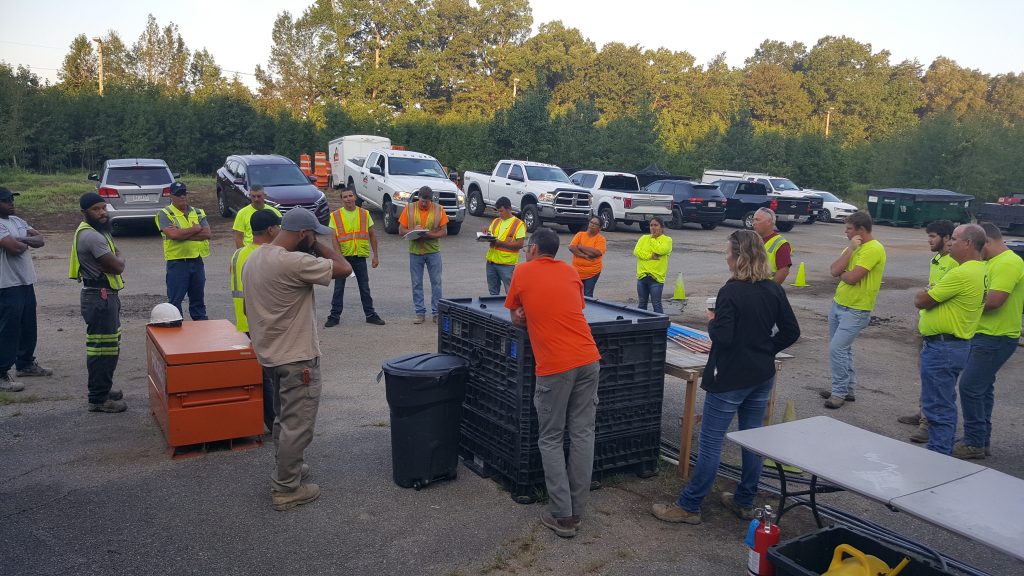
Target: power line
(31,45)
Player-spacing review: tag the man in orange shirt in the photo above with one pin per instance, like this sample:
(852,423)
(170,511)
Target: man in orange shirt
(587,249)
(423,213)
(546,296)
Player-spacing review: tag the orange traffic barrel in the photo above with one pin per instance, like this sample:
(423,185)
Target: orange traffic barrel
(320,169)
(397,147)
(304,165)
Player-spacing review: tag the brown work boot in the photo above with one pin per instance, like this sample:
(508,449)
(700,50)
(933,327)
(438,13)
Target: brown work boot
(827,393)
(420,318)
(834,402)
(673,513)
(563,527)
(304,472)
(965,452)
(912,419)
(110,406)
(304,494)
(729,502)
(920,436)
(576,521)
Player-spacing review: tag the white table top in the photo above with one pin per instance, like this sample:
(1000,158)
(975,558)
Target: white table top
(852,458)
(987,507)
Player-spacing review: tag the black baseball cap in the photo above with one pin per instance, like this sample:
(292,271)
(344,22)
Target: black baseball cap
(263,219)
(6,195)
(178,189)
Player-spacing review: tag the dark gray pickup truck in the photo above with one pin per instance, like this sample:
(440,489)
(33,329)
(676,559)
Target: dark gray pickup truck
(744,198)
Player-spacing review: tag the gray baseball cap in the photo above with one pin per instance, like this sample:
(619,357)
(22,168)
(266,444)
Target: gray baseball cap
(298,219)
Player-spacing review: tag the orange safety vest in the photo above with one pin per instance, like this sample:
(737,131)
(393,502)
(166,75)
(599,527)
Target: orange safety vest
(423,246)
(351,242)
(504,256)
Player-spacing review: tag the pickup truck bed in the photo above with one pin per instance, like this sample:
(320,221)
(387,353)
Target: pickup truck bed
(744,198)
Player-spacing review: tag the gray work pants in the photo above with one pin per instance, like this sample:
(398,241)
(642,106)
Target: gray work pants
(296,401)
(567,400)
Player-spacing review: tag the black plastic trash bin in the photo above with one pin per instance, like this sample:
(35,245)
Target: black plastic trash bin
(425,393)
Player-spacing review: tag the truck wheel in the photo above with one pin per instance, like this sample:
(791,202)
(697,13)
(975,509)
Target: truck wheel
(390,218)
(748,221)
(222,204)
(454,228)
(531,217)
(645,226)
(709,225)
(476,204)
(574,228)
(607,219)
(825,215)
(784,226)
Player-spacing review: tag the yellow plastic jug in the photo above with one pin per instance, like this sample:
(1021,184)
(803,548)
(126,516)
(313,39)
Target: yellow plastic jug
(860,564)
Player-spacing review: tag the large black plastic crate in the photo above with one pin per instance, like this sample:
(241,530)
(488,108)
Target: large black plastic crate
(811,554)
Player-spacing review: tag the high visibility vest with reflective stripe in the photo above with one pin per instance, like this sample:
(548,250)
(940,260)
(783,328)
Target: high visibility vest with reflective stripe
(237,291)
(113,280)
(351,242)
(772,247)
(178,249)
(504,256)
(423,246)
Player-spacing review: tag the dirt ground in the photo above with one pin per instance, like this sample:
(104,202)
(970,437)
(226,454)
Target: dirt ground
(86,493)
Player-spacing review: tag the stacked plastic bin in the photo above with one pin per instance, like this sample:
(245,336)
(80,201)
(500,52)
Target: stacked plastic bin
(499,422)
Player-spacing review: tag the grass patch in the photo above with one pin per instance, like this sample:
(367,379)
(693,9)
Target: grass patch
(7,398)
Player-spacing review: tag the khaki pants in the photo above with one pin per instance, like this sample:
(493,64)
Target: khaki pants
(296,401)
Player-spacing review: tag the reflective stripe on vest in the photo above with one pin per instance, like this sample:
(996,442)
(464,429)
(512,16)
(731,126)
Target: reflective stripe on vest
(503,256)
(424,246)
(772,247)
(179,249)
(113,280)
(351,241)
(510,233)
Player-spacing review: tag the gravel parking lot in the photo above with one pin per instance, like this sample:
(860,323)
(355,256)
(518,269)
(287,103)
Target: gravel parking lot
(87,493)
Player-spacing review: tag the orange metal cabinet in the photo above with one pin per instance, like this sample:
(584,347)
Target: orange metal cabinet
(205,383)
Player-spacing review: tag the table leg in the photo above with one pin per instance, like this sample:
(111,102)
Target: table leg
(686,439)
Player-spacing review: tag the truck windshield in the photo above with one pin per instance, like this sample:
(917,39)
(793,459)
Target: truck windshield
(784,184)
(546,174)
(828,196)
(621,183)
(416,167)
(277,175)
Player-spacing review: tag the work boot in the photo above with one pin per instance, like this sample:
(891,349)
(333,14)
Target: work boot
(8,384)
(304,494)
(110,406)
(563,527)
(834,402)
(375,319)
(920,436)
(965,452)
(576,521)
(332,321)
(420,318)
(673,513)
(826,394)
(115,395)
(729,502)
(34,369)
(912,419)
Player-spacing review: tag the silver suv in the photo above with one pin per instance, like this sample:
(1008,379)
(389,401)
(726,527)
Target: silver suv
(135,188)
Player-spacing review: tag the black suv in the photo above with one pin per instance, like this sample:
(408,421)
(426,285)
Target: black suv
(692,202)
(285,185)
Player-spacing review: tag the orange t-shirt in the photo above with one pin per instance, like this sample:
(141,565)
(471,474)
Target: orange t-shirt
(551,293)
(586,267)
(403,218)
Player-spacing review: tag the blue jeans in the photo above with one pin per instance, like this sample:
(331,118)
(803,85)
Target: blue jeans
(719,408)
(498,274)
(17,327)
(362,279)
(187,277)
(432,262)
(648,288)
(941,364)
(977,384)
(589,284)
(844,324)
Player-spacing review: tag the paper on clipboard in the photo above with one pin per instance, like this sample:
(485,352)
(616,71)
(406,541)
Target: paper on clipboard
(415,234)
(485,237)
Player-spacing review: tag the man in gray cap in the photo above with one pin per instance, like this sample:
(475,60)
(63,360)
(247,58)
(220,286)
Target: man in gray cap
(279,303)
(17,297)
(96,263)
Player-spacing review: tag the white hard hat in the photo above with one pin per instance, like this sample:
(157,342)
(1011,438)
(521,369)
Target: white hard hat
(164,313)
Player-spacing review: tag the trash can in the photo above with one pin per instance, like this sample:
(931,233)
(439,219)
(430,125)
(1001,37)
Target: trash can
(425,393)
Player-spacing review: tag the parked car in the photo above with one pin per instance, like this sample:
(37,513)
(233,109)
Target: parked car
(833,208)
(692,202)
(540,193)
(746,197)
(285,185)
(618,198)
(776,185)
(135,189)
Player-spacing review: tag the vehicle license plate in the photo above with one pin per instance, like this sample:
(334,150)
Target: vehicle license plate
(132,198)
(712,204)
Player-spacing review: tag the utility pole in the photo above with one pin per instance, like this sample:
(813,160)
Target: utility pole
(99,49)
(515,87)
(828,120)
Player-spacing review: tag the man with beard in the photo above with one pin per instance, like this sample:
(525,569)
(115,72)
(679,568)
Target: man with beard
(96,263)
(278,280)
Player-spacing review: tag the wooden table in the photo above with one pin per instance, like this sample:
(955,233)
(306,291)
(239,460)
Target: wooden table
(689,367)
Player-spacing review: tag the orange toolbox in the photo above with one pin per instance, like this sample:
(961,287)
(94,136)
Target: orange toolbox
(205,384)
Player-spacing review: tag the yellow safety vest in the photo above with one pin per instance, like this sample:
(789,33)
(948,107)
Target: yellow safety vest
(237,292)
(424,246)
(113,280)
(772,246)
(180,249)
(504,256)
(351,242)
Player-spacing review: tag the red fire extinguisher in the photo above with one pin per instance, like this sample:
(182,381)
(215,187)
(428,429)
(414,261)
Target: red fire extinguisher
(762,534)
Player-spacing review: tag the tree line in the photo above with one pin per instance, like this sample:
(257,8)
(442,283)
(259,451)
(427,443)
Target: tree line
(469,84)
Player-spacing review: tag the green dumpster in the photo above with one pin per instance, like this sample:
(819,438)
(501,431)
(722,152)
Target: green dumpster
(918,207)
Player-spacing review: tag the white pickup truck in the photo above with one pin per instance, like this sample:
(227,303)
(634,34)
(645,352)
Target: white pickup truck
(356,148)
(387,179)
(776,185)
(617,198)
(538,192)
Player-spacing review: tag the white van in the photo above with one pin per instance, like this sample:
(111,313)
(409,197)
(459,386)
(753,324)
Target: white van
(350,148)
